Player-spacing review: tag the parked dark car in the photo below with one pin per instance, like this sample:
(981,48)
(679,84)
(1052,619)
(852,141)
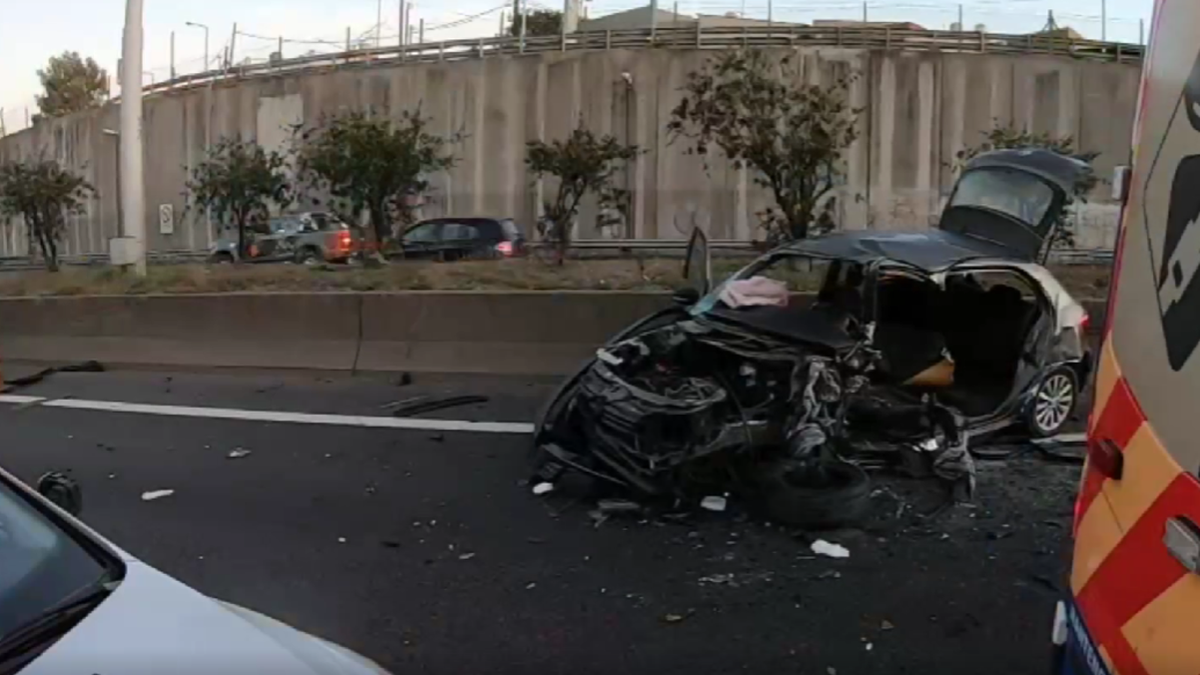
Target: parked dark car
(458,238)
(872,346)
(302,238)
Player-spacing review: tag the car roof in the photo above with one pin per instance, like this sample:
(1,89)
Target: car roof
(932,251)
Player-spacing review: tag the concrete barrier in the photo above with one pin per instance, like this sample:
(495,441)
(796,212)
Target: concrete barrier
(533,333)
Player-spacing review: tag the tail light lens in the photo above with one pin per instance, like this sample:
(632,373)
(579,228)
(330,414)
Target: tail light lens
(505,248)
(344,241)
(1084,323)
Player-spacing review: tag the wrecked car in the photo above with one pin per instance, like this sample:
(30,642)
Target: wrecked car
(872,346)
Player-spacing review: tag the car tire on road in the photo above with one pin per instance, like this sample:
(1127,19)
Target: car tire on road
(1053,402)
(794,493)
(307,256)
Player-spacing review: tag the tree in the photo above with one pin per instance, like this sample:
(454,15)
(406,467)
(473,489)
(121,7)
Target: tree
(42,193)
(1008,137)
(368,162)
(537,22)
(71,84)
(239,180)
(583,164)
(763,116)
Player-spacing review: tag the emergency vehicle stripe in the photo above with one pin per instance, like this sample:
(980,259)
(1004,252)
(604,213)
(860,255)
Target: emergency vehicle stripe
(1120,420)
(1165,640)
(1096,537)
(1137,571)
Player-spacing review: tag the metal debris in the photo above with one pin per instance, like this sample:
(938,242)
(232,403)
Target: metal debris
(434,404)
(238,454)
(714,503)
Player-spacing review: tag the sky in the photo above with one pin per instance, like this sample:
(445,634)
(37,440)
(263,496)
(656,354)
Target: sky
(31,31)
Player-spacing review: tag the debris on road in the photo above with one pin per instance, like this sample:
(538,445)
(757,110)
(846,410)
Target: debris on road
(30,380)
(673,618)
(543,488)
(433,404)
(238,453)
(156,494)
(466,556)
(830,550)
(713,503)
(531,585)
(616,507)
(886,625)
(341,540)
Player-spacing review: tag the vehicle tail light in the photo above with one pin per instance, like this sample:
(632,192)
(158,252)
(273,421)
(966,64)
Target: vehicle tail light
(343,241)
(505,248)
(1084,323)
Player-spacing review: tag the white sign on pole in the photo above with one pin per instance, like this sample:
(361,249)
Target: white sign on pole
(166,219)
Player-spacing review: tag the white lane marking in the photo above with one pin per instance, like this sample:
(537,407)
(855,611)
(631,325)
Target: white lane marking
(276,416)
(20,400)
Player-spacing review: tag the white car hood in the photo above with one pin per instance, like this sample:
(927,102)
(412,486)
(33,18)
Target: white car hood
(153,624)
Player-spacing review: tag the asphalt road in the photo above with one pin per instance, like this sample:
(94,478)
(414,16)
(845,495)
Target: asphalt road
(426,551)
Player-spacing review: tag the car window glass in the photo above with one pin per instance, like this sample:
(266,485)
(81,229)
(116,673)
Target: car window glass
(423,233)
(459,232)
(511,231)
(326,223)
(42,565)
(1014,193)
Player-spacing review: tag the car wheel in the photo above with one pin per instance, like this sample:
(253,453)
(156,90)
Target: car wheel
(306,256)
(1053,402)
(824,496)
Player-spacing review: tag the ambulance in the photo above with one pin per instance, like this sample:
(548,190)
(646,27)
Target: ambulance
(1134,606)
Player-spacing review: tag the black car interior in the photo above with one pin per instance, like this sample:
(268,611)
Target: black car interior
(981,328)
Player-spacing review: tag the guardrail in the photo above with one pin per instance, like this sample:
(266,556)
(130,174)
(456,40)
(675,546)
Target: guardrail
(612,247)
(688,37)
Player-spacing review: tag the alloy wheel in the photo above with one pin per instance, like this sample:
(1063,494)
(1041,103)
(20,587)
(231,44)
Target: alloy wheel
(1055,400)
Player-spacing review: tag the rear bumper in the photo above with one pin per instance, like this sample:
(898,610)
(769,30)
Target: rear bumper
(1074,651)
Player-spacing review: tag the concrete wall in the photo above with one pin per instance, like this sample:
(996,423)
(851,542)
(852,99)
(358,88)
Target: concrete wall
(920,108)
(375,332)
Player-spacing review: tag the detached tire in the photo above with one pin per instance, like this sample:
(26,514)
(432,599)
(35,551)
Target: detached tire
(794,493)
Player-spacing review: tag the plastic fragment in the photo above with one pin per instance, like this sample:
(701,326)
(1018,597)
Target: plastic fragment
(543,488)
(156,494)
(238,454)
(715,503)
(822,547)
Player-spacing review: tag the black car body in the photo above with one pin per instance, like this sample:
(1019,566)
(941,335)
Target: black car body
(703,386)
(458,238)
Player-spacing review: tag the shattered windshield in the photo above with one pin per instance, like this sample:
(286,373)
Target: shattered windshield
(791,273)
(1020,195)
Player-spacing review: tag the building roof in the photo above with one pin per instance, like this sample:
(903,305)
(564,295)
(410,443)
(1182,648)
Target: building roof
(639,17)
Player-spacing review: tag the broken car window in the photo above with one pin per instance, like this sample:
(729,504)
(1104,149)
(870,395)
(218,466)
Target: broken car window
(1016,194)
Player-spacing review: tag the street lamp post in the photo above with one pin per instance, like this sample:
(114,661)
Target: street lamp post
(133,187)
(200,25)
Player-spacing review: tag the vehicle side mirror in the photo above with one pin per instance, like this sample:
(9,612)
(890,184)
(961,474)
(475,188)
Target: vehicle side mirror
(61,491)
(686,296)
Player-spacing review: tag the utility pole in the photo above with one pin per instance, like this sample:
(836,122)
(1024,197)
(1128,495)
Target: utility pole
(402,7)
(653,18)
(1104,20)
(408,27)
(133,187)
(770,12)
(961,26)
(421,32)
(1142,32)
(232,42)
(172,55)
(522,40)
(503,24)
(378,24)
(864,12)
